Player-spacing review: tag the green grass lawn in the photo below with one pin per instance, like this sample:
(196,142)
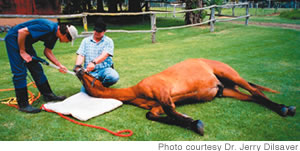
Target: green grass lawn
(264,55)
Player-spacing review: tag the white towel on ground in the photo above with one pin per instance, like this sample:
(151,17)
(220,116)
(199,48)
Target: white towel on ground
(83,107)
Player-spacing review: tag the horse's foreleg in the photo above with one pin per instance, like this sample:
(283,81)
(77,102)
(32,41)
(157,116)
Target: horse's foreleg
(168,107)
(144,103)
(155,114)
(278,108)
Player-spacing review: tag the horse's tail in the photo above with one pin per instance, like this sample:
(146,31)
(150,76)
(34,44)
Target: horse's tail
(261,88)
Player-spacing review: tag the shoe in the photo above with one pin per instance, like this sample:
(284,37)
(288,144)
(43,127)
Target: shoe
(29,109)
(48,93)
(22,99)
(52,97)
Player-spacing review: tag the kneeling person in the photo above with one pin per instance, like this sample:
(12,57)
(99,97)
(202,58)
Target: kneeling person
(96,53)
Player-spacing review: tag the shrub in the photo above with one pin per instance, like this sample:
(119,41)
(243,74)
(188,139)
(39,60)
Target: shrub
(294,14)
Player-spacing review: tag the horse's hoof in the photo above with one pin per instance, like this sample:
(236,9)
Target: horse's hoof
(283,111)
(291,110)
(198,127)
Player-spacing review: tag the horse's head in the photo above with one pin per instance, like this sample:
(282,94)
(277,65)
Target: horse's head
(90,83)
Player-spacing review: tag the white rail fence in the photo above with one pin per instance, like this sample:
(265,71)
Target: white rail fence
(152,14)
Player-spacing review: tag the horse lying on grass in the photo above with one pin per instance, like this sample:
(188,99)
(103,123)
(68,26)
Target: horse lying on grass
(193,79)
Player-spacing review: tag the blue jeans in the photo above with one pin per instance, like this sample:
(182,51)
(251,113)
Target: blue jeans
(18,66)
(108,77)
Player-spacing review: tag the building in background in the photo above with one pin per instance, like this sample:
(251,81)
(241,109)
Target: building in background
(37,7)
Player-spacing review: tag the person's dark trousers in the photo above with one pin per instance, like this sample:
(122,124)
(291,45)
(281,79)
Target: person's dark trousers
(19,69)
(22,99)
(48,93)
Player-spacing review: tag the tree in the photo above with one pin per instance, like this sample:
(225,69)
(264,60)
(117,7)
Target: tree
(79,6)
(135,5)
(112,6)
(100,6)
(75,6)
(194,16)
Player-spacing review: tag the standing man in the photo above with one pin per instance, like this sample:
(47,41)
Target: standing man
(19,41)
(96,53)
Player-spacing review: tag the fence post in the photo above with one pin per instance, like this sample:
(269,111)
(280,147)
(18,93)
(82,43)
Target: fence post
(256,9)
(233,9)
(84,21)
(153,27)
(212,19)
(247,13)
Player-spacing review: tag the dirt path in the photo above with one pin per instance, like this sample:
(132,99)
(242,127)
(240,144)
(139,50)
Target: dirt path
(288,26)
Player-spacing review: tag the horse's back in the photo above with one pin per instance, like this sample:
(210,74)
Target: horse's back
(188,70)
(192,75)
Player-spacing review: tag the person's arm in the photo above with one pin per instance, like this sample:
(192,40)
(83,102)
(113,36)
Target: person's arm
(22,34)
(78,62)
(49,54)
(79,59)
(91,66)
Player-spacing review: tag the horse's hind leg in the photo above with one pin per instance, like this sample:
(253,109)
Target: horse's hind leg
(233,93)
(233,76)
(226,72)
(281,109)
(278,108)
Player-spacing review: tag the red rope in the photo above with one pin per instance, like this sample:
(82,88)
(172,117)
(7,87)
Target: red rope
(119,133)
(29,92)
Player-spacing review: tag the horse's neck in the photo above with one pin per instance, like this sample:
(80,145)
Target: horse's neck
(98,90)
(123,94)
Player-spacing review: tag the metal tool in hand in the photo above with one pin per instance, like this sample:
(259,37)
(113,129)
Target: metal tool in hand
(50,64)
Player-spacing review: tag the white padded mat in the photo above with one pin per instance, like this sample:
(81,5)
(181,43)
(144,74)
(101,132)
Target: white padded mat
(83,107)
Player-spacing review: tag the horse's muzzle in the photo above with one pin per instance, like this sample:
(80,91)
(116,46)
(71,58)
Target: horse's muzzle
(79,72)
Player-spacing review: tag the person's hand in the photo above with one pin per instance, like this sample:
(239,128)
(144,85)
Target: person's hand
(90,67)
(63,69)
(26,57)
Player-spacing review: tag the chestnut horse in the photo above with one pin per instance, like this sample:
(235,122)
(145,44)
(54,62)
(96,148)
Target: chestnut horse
(193,79)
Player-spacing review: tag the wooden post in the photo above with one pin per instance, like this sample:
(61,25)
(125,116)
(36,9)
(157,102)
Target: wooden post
(153,27)
(256,9)
(212,19)
(233,10)
(174,10)
(247,13)
(84,21)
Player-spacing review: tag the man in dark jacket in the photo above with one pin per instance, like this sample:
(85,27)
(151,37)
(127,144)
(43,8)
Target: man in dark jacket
(19,41)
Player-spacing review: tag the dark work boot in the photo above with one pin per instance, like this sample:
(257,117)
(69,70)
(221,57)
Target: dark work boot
(22,99)
(52,97)
(48,93)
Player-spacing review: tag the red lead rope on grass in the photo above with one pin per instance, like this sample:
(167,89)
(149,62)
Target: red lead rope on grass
(119,133)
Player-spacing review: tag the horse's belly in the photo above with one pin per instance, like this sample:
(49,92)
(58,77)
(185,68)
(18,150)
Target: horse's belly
(208,94)
(203,94)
